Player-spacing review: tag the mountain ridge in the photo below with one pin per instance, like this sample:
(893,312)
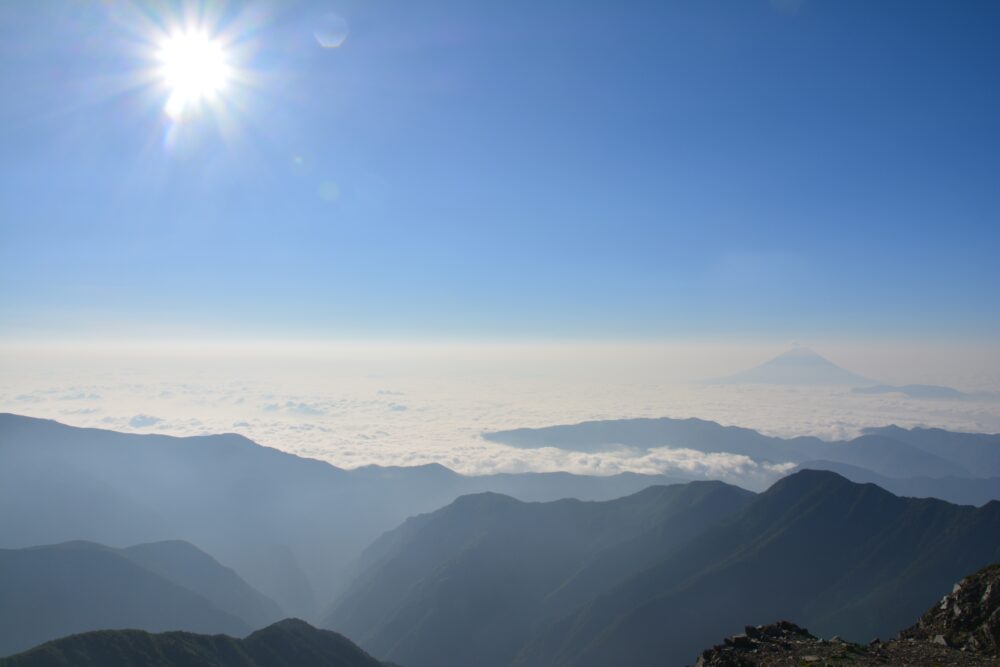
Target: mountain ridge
(889,451)
(848,567)
(410,604)
(54,590)
(288,643)
(231,497)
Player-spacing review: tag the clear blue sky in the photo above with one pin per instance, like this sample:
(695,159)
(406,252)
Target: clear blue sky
(510,169)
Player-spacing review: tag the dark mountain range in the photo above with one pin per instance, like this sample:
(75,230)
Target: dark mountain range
(52,591)
(653,578)
(705,436)
(233,499)
(797,366)
(890,451)
(958,490)
(848,559)
(962,629)
(466,584)
(289,526)
(289,643)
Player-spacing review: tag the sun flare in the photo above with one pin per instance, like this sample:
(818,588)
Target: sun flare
(195,69)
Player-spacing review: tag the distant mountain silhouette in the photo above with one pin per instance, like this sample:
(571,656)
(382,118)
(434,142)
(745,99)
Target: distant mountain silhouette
(844,558)
(890,457)
(644,433)
(958,490)
(797,366)
(977,453)
(466,584)
(52,591)
(886,452)
(291,527)
(925,391)
(288,643)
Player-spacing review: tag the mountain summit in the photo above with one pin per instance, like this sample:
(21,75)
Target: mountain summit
(799,365)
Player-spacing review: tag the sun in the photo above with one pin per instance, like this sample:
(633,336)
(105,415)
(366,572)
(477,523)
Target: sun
(195,69)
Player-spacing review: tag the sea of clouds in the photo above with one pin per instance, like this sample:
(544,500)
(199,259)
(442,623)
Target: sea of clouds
(395,404)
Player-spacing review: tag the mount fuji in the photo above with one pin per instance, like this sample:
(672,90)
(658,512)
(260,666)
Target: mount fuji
(801,366)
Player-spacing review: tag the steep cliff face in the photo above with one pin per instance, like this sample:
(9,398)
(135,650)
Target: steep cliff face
(968,618)
(963,629)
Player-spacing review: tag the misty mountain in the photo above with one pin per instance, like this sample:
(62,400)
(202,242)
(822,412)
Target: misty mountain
(655,577)
(888,452)
(288,643)
(291,527)
(978,453)
(468,583)
(959,490)
(526,486)
(644,433)
(52,591)
(845,559)
(891,457)
(186,565)
(924,391)
(294,528)
(797,366)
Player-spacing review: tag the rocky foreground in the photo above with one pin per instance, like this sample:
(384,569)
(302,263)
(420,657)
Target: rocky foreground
(963,629)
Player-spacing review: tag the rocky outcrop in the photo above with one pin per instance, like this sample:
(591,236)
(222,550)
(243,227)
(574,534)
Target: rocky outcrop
(968,618)
(963,629)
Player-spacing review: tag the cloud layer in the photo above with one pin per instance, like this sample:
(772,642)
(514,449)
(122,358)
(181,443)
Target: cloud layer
(394,409)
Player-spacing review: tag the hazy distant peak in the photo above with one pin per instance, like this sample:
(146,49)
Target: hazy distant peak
(798,365)
(801,352)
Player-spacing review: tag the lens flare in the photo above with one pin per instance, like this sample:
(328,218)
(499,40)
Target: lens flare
(332,31)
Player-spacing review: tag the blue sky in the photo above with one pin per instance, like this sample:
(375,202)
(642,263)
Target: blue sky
(507,170)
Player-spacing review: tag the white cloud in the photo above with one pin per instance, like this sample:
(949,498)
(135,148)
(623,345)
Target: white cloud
(143,421)
(80,411)
(347,411)
(80,396)
(304,408)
